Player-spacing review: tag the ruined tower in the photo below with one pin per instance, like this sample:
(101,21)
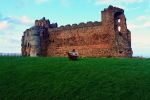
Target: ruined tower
(31,42)
(110,37)
(114,20)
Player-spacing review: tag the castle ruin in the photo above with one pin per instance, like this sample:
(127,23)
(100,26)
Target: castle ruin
(108,38)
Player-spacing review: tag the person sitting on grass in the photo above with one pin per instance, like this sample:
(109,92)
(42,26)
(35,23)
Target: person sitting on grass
(73,55)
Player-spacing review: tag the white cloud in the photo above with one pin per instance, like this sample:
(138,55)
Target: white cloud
(40,1)
(25,20)
(100,2)
(21,20)
(147,24)
(140,44)
(11,31)
(147,10)
(137,22)
(141,18)
(4,25)
(65,3)
(116,2)
(132,26)
(10,42)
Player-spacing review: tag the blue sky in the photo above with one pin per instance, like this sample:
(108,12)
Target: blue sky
(18,15)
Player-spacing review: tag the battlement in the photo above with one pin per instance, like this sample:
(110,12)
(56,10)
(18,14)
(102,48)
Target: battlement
(111,8)
(53,25)
(75,26)
(45,23)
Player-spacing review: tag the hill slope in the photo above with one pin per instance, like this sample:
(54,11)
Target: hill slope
(41,78)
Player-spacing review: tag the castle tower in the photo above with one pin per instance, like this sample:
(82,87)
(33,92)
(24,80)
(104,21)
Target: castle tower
(113,19)
(31,42)
(43,23)
(35,42)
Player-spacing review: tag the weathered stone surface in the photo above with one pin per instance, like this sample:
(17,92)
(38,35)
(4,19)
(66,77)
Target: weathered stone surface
(91,39)
(31,42)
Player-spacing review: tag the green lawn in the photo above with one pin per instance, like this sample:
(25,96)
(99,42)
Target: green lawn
(45,78)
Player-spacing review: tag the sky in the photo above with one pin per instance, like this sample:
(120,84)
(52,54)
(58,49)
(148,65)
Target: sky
(18,15)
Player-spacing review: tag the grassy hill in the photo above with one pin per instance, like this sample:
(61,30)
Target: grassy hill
(44,78)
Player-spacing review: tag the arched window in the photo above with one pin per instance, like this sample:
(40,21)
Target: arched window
(118,20)
(119,28)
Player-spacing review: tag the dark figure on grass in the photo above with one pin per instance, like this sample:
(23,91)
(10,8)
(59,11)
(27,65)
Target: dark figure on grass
(73,55)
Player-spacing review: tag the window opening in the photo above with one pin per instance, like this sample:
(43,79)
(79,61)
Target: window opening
(120,52)
(119,28)
(119,20)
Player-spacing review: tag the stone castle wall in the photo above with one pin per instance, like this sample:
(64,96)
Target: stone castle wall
(91,39)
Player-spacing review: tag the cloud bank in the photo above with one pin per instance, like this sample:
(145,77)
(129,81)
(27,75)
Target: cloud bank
(11,31)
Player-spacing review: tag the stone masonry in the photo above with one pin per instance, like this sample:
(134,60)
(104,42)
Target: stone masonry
(108,38)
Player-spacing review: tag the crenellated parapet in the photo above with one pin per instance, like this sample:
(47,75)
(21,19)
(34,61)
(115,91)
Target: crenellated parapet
(45,23)
(53,25)
(42,22)
(113,9)
(76,26)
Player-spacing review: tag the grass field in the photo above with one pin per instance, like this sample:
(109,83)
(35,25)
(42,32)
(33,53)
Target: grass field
(44,78)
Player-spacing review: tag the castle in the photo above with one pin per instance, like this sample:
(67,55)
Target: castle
(108,38)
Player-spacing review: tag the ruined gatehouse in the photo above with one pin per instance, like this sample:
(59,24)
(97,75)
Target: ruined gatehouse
(108,38)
